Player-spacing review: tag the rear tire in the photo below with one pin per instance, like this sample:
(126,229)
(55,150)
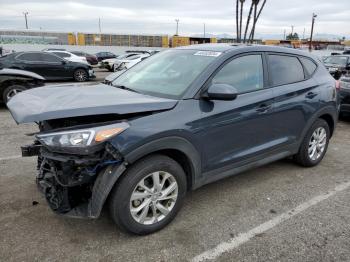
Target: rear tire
(80,75)
(11,91)
(315,144)
(139,183)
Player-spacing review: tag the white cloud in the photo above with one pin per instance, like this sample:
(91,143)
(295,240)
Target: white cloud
(157,16)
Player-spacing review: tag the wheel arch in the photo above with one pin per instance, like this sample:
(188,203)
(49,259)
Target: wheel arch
(177,148)
(328,113)
(330,121)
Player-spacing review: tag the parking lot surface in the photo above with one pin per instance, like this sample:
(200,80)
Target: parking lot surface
(279,212)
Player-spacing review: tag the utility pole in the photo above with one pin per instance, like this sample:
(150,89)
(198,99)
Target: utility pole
(284,34)
(292,30)
(304,33)
(177,26)
(204,30)
(25,17)
(312,30)
(99,24)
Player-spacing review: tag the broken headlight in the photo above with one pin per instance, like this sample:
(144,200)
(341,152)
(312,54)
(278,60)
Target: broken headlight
(83,137)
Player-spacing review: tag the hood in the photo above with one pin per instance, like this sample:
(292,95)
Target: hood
(114,75)
(55,102)
(112,60)
(16,72)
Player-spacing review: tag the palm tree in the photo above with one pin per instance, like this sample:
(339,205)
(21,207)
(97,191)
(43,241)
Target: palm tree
(252,32)
(240,20)
(237,21)
(248,20)
(256,18)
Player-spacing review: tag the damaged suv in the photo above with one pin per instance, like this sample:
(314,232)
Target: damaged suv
(181,119)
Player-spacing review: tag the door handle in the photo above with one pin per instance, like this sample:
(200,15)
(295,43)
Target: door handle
(311,95)
(263,108)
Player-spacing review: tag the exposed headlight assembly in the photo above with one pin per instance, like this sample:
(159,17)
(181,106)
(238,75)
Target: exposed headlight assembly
(83,137)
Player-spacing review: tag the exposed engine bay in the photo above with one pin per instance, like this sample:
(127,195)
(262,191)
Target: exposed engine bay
(67,176)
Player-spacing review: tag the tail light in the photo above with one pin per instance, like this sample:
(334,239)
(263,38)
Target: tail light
(337,84)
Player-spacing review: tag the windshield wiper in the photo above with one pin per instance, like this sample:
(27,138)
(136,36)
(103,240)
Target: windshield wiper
(126,88)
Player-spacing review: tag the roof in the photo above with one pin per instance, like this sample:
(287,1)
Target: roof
(245,48)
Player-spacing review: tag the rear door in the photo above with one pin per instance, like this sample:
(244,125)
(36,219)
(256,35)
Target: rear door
(32,62)
(55,66)
(296,94)
(239,130)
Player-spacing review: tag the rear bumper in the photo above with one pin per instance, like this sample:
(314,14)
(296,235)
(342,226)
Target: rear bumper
(92,74)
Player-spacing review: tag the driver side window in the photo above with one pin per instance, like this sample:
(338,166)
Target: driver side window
(244,73)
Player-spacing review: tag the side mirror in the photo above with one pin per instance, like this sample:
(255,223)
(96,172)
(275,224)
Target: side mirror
(221,92)
(64,62)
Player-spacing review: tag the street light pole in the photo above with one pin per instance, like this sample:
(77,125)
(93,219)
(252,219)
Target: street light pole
(177,26)
(204,31)
(312,30)
(25,17)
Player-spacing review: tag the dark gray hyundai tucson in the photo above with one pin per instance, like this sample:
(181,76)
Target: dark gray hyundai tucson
(181,119)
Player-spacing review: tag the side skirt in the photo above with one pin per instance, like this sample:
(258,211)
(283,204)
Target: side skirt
(237,168)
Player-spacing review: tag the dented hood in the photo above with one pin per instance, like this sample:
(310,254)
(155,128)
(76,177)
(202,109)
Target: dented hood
(54,102)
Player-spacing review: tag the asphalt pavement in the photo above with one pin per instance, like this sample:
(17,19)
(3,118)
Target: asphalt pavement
(279,212)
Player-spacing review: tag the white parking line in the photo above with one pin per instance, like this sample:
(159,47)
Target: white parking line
(245,237)
(10,157)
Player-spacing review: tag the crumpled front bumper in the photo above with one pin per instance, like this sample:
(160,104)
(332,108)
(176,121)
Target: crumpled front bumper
(73,185)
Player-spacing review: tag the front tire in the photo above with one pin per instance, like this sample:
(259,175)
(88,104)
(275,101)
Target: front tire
(315,144)
(149,195)
(11,91)
(80,75)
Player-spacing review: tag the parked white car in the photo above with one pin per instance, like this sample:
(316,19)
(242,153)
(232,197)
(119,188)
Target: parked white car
(109,63)
(126,63)
(69,56)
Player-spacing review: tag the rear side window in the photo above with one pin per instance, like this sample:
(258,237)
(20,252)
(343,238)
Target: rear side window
(285,69)
(62,54)
(309,65)
(245,73)
(31,57)
(50,58)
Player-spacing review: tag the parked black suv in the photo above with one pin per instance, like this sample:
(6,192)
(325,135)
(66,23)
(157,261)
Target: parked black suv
(48,65)
(337,65)
(344,92)
(181,119)
(104,55)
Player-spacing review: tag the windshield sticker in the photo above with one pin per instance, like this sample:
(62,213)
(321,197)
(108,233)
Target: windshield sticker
(208,53)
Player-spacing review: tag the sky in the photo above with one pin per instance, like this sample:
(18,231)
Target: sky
(158,16)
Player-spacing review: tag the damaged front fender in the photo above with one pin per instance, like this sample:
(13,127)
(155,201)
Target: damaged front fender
(101,189)
(78,186)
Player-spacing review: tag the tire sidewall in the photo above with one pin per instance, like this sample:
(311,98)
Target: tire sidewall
(9,88)
(82,70)
(121,198)
(319,123)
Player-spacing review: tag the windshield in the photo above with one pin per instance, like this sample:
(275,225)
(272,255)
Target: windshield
(167,74)
(336,60)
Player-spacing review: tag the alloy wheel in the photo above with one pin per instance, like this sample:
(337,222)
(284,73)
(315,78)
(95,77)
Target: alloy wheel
(317,143)
(12,93)
(80,75)
(153,198)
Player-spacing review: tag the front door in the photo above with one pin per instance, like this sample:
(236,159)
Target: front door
(239,130)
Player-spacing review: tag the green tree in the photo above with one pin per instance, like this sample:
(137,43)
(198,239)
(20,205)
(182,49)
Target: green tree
(291,36)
